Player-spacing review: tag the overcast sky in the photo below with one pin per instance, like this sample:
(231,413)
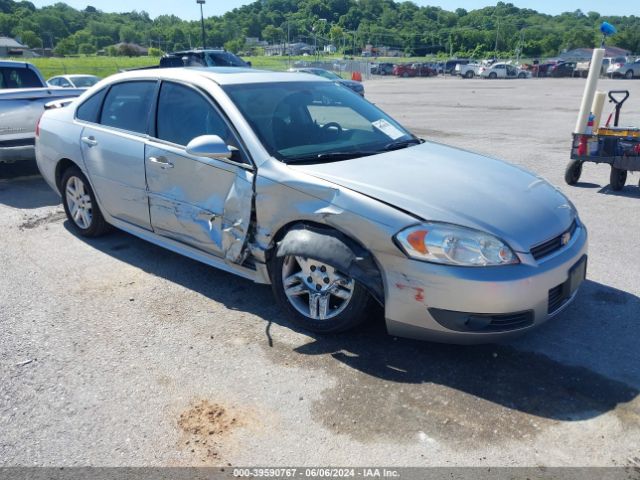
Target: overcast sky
(189,9)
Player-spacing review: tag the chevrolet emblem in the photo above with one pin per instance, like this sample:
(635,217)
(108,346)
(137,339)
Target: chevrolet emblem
(566,236)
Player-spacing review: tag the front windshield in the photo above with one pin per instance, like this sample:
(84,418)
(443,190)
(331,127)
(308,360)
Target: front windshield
(84,82)
(309,121)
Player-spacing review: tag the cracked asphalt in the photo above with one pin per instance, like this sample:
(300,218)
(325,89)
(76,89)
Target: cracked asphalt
(114,352)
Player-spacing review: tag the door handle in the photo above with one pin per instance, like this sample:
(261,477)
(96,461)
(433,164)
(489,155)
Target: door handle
(91,141)
(162,161)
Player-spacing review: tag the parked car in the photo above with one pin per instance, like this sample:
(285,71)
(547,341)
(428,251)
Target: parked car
(202,58)
(504,70)
(449,67)
(73,81)
(562,69)
(611,63)
(468,70)
(413,70)
(23,95)
(627,70)
(290,180)
(357,87)
(383,69)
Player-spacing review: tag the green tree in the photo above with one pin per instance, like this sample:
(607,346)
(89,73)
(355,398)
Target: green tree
(86,49)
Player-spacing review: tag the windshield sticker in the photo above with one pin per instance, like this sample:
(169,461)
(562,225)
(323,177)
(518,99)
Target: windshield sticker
(389,130)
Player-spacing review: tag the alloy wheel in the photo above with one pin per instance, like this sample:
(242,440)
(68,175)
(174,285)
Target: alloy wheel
(316,290)
(79,202)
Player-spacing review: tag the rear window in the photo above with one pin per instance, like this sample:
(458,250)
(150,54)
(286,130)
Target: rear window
(90,108)
(18,78)
(127,106)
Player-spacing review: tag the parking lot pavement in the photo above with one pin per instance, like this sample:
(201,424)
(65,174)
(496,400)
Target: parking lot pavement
(116,352)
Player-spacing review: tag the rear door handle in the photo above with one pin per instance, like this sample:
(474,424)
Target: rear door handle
(91,141)
(162,161)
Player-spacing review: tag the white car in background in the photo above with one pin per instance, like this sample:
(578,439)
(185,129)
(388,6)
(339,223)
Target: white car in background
(73,81)
(504,70)
(628,69)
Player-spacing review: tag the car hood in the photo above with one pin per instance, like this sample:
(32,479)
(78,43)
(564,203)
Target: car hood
(439,183)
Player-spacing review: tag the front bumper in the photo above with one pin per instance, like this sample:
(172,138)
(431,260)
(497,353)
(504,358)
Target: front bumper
(416,292)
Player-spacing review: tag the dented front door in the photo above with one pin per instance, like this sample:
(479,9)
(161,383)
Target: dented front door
(204,203)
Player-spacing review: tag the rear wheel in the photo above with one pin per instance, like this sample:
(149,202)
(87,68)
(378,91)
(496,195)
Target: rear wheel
(469,74)
(522,75)
(629,74)
(573,172)
(617,179)
(405,75)
(317,296)
(493,75)
(80,204)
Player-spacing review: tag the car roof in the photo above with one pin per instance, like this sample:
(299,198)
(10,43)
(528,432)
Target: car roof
(12,63)
(220,75)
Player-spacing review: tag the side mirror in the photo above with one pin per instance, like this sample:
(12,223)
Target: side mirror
(210,146)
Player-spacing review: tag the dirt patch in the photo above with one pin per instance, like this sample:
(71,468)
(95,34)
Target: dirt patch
(35,221)
(205,426)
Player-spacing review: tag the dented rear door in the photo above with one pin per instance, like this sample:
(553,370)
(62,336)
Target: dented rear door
(202,202)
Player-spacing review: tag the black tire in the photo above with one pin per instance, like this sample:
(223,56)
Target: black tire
(617,179)
(573,172)
(629,75)
(522,75)
(98,225)
(493,75)
(469,74)
(350,317)
(405,75)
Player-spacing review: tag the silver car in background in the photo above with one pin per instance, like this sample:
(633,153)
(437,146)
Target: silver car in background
(291,180)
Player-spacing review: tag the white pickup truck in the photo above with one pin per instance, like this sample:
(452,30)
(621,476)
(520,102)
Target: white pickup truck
(23,96)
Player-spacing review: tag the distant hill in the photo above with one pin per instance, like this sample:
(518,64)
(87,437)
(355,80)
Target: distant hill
(350,25)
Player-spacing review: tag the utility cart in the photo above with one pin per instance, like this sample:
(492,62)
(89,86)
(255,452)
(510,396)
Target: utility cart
(616,146)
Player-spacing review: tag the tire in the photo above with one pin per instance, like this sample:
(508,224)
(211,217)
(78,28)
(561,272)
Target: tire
(629,74)
(383,72)
(617,179)
(469,74)
(573,172)
(522,75)
(493,75)
(405,75)
(80,204)
(345,316)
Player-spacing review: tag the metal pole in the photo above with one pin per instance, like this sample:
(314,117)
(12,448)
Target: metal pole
(204,41)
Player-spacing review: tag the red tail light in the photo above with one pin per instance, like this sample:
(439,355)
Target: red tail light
(38,125)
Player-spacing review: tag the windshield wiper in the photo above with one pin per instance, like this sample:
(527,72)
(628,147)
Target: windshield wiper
(403,144)
(331,156)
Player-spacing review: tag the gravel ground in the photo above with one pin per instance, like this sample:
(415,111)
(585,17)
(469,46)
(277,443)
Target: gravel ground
(116,352)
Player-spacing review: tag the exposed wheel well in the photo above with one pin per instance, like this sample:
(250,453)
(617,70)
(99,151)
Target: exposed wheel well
(61,167)
(367,270)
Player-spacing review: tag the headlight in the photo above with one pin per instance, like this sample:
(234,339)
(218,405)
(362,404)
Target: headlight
(454,245)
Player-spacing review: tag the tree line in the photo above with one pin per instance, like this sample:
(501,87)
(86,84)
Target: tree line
(503,29)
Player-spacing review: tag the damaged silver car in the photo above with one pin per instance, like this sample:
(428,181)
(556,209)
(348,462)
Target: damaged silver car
(295,181)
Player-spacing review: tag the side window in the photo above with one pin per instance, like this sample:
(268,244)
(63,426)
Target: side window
(90,108)
(54,81)
(64,83)
(127,106)
(184,114)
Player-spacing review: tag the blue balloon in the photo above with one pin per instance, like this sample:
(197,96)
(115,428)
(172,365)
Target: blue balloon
(607,29)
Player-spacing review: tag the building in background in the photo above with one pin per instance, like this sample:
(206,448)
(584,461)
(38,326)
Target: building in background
(10,47)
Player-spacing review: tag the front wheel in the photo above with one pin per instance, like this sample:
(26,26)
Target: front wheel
(317,296)
(80,204)
(522,75)
(573,172)
(629,75)
(468,75)
(493,75)
(617,179)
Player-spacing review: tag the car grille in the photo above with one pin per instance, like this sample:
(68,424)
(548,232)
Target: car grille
(513,321)
(557,297)
(553,245)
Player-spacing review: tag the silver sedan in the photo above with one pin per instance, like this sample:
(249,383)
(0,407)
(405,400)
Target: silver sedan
(291,180)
